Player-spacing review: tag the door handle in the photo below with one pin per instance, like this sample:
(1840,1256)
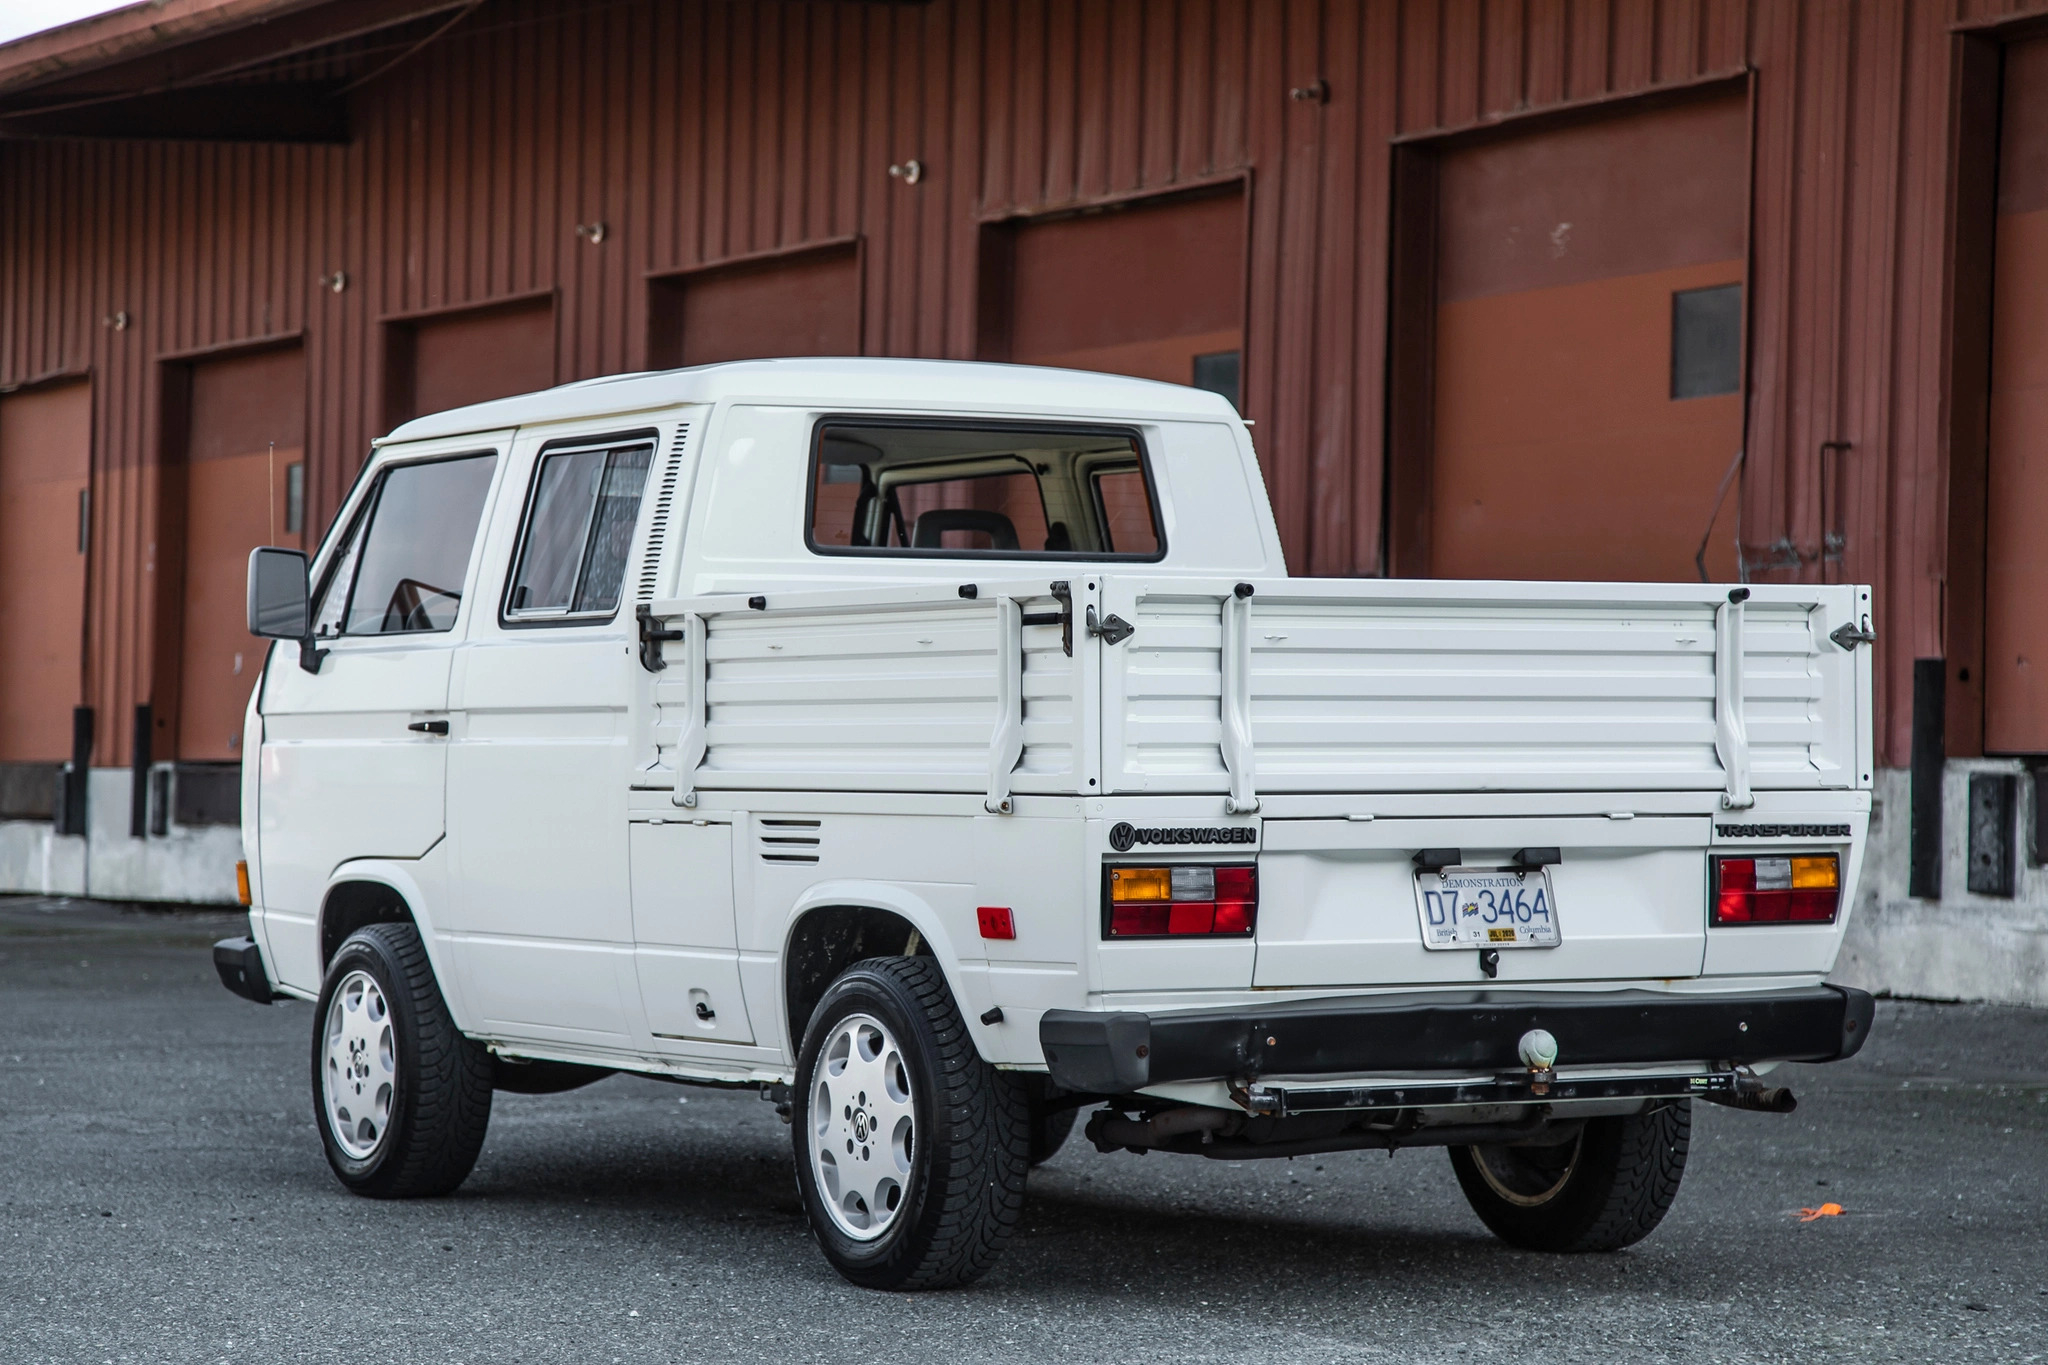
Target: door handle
(429,727)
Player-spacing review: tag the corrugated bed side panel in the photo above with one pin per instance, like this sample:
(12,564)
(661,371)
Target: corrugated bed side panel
(854,700)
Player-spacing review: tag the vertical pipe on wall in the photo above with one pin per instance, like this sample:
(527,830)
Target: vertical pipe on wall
(73,814)
(1929,709)
(138,791)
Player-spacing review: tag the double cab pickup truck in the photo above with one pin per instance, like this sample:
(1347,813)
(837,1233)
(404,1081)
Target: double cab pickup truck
(944,750)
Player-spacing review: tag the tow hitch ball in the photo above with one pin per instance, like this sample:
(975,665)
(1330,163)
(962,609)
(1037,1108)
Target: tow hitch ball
(1538,1051)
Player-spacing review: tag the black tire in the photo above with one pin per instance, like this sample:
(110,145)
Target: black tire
(964,1189)
(1606,1189)
(1051,1126)
(440,1104)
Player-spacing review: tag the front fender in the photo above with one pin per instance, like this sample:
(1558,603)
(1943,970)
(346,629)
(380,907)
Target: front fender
(417,881)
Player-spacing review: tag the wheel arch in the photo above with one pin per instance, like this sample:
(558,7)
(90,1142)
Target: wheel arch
(836,924)
(381,892)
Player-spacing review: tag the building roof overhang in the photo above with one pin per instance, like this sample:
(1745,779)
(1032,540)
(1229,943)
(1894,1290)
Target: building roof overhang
(214,70)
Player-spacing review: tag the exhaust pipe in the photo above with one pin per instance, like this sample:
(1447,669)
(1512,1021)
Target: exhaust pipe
(1752,1094)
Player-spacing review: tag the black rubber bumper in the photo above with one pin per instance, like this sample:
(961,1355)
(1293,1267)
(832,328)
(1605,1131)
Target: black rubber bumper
(240,964)
(1099,1052)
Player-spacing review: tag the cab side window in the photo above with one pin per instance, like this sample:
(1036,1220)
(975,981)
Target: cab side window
(571,562)
(400,568)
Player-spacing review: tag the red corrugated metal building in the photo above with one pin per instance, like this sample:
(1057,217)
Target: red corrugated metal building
(1524,288)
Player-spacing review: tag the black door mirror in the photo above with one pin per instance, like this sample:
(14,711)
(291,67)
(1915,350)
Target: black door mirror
(280,606)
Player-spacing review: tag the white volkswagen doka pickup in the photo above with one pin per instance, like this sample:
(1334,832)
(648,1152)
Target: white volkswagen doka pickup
(944,749)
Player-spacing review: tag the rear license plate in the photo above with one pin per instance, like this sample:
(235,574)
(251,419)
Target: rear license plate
(1487,907)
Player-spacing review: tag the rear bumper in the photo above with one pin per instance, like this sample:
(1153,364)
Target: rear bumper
(240,964)
(1114,1053)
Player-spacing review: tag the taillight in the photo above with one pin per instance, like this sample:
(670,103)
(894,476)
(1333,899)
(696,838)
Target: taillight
(1185,901)
(1805,888)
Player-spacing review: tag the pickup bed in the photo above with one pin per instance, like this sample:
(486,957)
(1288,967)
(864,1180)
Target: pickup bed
(943,749)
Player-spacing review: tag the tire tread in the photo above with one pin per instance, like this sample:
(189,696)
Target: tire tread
(450,1093)
(978,1156)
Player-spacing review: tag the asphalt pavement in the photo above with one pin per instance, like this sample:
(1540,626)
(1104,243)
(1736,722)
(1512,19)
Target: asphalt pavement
(163,1198)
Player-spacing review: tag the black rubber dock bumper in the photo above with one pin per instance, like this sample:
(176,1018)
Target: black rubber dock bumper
(240,964)
(1114,1053)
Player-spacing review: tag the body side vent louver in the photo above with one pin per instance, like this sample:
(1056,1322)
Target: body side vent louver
(790,840)
(664,508)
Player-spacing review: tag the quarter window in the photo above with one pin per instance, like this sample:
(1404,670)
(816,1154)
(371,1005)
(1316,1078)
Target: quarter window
(401,567)
(579,526)
(997,491)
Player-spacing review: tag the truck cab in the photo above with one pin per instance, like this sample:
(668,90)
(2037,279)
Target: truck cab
(943,748)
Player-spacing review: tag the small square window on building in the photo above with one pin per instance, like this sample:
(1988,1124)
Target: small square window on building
(1217,372)
(1706,341)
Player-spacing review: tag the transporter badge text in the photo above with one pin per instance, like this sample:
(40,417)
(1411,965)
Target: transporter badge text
(1123,835)
(1782,831)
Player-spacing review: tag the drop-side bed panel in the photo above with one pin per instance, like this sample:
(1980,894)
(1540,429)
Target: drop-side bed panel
(1420,686)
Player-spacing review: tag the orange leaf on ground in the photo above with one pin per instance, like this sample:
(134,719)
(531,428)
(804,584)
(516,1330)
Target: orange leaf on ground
(1824,1211)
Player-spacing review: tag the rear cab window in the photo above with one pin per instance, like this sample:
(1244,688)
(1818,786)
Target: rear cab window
(993,490)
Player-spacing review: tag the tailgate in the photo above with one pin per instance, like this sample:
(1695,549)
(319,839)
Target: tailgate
(1338,899)
(1403,686)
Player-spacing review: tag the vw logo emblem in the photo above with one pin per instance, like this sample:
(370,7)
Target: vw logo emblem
(1122,836)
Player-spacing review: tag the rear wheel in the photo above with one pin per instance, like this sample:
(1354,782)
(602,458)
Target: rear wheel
(401,1096)
(911,1150)
(1604,1189)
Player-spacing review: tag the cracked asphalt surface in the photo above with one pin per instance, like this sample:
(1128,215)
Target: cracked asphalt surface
(163,1198)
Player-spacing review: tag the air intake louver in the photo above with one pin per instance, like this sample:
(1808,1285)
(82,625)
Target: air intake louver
(664,506)
(789,841)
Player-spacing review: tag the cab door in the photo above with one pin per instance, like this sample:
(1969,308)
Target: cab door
(354,757)
(538,768)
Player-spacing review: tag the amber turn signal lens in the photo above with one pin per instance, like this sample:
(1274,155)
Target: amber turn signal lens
(1141,883)
(1815,872)
(242,883)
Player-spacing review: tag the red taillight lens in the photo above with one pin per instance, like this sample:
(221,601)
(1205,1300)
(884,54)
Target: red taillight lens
(1803,888)
(996,921)
(1181,902)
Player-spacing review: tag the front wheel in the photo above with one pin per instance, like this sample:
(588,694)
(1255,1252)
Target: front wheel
(401,1096)
(1602,1190)
(911,1151)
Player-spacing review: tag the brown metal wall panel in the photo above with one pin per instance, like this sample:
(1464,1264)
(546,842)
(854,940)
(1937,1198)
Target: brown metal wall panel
(700,131)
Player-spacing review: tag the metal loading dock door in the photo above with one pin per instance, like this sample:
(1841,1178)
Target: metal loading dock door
(1570,441)
(238,495)
(1155,291)
(435,363)
(45,449)
(2016,554)
(800,303)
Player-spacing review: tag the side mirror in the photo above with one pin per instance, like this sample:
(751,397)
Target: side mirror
(280,605)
